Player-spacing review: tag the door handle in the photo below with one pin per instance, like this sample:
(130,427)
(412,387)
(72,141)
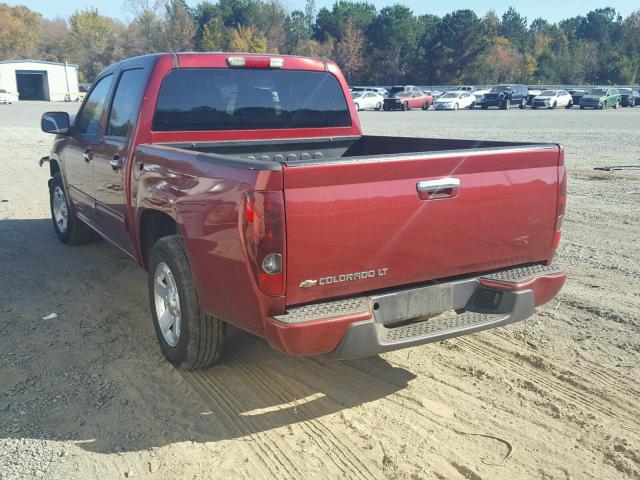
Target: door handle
(440,188)
(117,163)
(87,155)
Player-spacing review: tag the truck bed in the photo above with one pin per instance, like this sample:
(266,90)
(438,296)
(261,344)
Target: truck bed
(357,220)
(321,150)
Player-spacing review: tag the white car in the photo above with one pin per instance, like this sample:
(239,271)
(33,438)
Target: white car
(552,99)
(455,100)
(6,97)
(480,93)
(367,100)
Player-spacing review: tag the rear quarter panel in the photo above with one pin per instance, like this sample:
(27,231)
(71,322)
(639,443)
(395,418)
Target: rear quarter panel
(204,199)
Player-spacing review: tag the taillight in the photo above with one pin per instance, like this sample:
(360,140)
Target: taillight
(562,202)
(263,230)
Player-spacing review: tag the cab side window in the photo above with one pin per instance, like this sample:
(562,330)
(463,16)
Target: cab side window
(88,120)
(125,103)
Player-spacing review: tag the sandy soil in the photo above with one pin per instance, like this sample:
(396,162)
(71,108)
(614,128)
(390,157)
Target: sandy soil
(89,396)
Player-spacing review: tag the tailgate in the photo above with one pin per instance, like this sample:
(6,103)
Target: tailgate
(359,226)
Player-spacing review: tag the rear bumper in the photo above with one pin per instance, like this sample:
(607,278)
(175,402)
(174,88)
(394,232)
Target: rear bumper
(365,326)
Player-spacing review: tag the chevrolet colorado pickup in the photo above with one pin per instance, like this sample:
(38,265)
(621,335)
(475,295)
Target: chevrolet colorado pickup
(243,184)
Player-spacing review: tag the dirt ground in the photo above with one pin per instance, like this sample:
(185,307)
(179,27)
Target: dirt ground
(88,395)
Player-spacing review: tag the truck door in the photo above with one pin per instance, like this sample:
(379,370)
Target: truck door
(111,158)
(79,151)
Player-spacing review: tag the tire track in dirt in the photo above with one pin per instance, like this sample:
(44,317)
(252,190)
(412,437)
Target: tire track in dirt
(340,451)
(590,402)
(266,446)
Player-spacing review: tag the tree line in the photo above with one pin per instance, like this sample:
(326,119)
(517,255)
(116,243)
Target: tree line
(388,46)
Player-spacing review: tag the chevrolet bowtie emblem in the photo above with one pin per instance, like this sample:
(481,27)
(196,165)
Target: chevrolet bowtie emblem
(308,283)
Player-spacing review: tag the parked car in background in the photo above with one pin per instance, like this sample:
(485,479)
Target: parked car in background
(576,95)
(552,99)
(367,100)
(408,100)
(504,96)
(533,93)
(455,100)
(432,93)
(7,97)
(401,88)
(629,97)
(480,93)
(599,98)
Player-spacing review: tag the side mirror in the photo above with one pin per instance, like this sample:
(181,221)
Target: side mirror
(55,122)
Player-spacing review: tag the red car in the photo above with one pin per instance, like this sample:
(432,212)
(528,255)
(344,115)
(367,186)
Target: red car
(408,100)
(243,184)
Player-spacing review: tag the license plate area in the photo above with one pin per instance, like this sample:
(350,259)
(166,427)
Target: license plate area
(400,306)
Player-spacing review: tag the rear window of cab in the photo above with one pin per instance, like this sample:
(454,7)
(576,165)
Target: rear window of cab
(249,99)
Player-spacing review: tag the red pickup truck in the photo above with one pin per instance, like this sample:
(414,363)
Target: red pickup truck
(244,186)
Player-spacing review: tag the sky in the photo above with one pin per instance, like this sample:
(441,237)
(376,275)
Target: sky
(551,10)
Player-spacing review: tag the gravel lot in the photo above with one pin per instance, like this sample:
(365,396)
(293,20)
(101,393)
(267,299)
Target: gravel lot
(88,395)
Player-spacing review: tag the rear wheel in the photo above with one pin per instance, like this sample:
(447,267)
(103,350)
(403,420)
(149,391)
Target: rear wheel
(506,105)
(68,227)
(378,106)
(188,337)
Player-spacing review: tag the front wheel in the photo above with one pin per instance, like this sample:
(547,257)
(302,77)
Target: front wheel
(188,337)
(378,106)
(569,105)
(68,227)
(506,105)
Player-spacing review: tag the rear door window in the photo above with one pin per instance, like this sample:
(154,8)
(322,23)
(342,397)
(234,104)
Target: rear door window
(125,103)
(247,99)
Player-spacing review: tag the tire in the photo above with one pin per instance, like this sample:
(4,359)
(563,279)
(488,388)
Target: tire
(616,105)
(603,106)
(523,103)
(69,228)
(194,340)
(569,105)
(405,106)
(472,106)
(506,105)
(554,106)
(455,106)
(425,106)
(357,107)
(378,106)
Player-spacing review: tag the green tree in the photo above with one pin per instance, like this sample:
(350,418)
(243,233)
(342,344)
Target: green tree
(514,27)
(456,51)
(94,41)
(333,23)
(178,27)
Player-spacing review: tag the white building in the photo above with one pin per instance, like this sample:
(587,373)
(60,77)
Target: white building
(39,80)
